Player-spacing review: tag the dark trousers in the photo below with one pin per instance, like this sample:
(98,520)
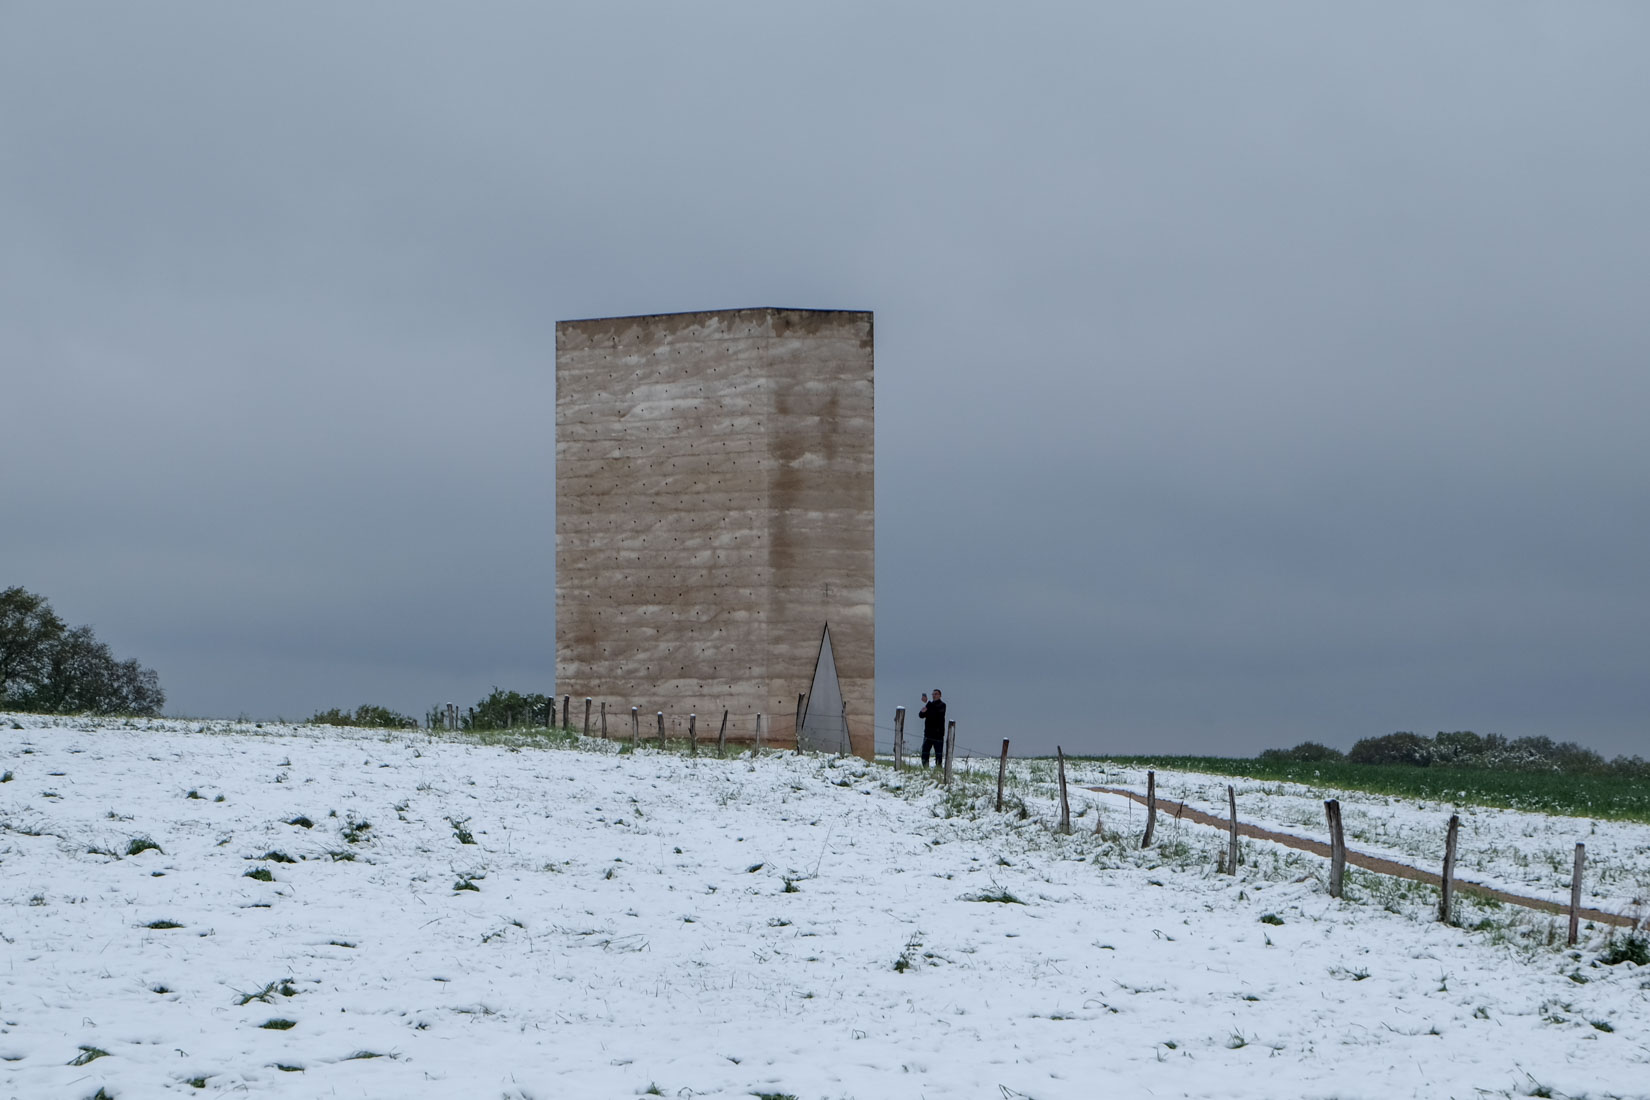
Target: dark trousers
(936,742)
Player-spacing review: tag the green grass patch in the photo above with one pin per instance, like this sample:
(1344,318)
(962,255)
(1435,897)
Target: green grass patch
(1617,798)
(1634,949)
(140,844)
(262,874)
(282,986)
(163,924)
(88,1054)
(999,895)
(278,1025)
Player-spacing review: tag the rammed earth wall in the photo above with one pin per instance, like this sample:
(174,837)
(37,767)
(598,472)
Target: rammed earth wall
(715,497)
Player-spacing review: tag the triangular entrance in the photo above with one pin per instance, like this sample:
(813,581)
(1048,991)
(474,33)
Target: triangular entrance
(824,725)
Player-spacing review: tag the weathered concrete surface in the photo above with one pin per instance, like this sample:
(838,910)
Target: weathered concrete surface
(715,495)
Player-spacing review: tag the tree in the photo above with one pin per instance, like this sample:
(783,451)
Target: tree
(49,669)
(28,630)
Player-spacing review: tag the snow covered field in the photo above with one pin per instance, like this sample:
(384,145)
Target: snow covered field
(625,925)
(1529,854)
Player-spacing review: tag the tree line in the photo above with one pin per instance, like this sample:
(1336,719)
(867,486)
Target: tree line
(498,710)
(48,667)
(1466,749)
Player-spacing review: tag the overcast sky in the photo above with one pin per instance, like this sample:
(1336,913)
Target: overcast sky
(1246,373)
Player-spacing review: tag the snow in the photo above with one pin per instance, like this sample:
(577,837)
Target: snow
(1525,853)
(806,926)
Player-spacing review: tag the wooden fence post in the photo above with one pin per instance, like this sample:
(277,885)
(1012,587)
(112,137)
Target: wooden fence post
(661,729)
(587,702)
(635,727)
(722,737)
(842,746)
(1575,894)
(899,738)
(1337,848)
(950,747)
(757,749)
(1232,833)
(1065,803)
(604,719)
(1151,809)
(1002,773)
(1447,895)
(693,735)
(566,703)
(801,708)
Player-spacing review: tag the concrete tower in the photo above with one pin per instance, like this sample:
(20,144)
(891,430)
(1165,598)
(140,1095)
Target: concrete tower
(715,494)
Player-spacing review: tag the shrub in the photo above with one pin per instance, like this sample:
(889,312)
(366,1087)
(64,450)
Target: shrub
(1634,949)
(1305,752)
(504,709)
(1465,747)
(366,715)
(1394,748)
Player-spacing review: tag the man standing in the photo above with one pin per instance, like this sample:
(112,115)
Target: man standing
(933,728)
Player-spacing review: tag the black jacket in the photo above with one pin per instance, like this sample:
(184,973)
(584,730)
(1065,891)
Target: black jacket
(933,718)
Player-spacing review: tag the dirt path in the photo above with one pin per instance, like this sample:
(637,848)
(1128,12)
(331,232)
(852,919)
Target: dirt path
(1181,811)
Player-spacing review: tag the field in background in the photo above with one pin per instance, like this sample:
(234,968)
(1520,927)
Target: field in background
(1614,798)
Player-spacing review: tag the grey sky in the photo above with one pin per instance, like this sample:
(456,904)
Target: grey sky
(1246,373)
